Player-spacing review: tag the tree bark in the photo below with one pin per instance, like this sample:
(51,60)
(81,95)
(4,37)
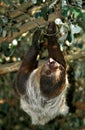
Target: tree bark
(11,67)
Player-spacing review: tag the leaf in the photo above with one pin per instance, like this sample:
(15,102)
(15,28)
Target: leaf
(7,52)
(39,2)
(34,1)
(65,9)
(7,2)
(50,10)
(1,60)
(81,20)
(44,12)
(76,11)
(38,15)
(80,45)
(21,1)
(5,20)
(1,30)
(1,22)
(15,29)
(4,33)
(75,29)
(83,17)
(4,46)
(69,36)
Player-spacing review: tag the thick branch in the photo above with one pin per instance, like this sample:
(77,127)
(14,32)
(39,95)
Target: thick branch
(11,67)
(20,9)
(30,25)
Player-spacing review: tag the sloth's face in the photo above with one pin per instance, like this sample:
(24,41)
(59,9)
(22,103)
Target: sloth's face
(52,78)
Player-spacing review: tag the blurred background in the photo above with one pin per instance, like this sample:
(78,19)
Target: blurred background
(18,21)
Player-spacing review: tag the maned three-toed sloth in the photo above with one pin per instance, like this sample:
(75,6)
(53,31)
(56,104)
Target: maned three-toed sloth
(42,89)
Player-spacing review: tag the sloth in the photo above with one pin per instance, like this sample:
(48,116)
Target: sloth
(42,89)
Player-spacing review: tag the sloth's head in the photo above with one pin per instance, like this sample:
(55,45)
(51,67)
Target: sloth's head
(52,78)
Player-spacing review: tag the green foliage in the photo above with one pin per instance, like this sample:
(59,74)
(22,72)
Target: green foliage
(43,13)
(81,20)
(11,116)
(75,11)
(7,2)
(65,10)
(21,1)
(39,2)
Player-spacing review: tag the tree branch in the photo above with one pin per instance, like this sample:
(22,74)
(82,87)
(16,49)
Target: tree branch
(20,10)
(11,67)
(30,25)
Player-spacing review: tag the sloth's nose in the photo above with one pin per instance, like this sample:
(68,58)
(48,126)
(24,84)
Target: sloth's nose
(53,64)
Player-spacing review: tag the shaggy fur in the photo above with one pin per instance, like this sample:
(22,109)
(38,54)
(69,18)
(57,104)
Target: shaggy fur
(40,108)
(42,89)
